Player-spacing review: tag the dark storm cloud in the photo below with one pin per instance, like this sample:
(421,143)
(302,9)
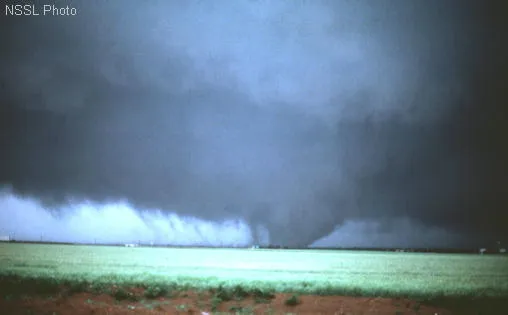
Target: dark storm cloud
(290,114)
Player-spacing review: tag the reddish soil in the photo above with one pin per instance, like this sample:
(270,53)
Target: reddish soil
(201,303)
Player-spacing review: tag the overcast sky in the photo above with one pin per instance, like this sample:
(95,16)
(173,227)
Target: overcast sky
(232,122)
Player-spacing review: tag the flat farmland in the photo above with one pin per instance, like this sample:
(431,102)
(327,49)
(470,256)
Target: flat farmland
(292,273)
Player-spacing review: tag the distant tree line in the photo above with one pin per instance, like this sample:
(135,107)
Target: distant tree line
(491,250)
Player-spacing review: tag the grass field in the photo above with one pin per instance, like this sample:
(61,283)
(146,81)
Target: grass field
(419,275)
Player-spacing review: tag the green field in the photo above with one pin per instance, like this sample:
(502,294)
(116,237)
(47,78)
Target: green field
(421,275)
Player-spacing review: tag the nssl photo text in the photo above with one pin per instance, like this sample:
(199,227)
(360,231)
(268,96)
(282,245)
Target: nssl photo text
(35,10)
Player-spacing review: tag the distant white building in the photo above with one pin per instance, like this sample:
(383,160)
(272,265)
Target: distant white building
(482,250)
(502,250)
(5,238)
(131,245)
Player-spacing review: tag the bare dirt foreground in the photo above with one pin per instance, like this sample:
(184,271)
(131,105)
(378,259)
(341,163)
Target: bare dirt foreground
(189,302)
